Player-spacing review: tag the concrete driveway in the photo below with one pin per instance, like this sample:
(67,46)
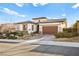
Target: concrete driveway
(48,38)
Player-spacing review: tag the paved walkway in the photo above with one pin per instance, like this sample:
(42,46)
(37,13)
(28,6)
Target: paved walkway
(48,38)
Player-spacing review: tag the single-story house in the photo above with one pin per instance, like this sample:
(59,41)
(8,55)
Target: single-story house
(43,25)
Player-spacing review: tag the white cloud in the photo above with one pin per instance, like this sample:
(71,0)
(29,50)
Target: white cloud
(76,5)
(20,4)
(11,12)
(37,4)
(34,4)
(43,4)
(64,15)
(54,18)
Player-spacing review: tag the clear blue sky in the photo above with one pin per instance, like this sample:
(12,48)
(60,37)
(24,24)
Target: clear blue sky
(11,12)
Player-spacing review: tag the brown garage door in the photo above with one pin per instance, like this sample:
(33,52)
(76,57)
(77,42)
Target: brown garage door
(50,29)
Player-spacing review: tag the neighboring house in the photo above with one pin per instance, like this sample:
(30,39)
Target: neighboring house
(7,27)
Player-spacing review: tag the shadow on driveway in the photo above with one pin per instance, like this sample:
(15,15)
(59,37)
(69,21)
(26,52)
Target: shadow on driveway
(59,50)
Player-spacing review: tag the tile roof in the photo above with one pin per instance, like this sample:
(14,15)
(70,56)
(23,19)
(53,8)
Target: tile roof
(26,22)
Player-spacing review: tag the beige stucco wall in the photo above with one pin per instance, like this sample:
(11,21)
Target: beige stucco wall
(29,28)
(19,27)
(60,27)
(40,29)
(64,25)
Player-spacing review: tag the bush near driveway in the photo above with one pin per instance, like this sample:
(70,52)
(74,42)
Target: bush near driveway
(70,29)
(22,33)
(12,35)
(66,34)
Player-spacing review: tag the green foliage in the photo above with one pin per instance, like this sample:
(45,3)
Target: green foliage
(74,25)
(12,35)
(66,35)
(21,33)
(70,30)
(67,30)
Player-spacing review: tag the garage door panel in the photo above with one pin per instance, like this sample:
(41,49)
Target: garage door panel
(50,29)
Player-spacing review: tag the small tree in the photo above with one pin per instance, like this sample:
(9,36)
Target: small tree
(74,27)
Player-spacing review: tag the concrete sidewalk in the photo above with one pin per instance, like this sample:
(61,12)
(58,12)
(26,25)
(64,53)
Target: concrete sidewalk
(20,41)
(68,44)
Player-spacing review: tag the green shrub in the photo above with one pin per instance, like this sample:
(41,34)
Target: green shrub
(66,35)
(21,33)
(1,37)
(11,37)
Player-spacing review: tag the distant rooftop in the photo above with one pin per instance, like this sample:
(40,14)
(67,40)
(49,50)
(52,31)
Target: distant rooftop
(39,18)
(61,19)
